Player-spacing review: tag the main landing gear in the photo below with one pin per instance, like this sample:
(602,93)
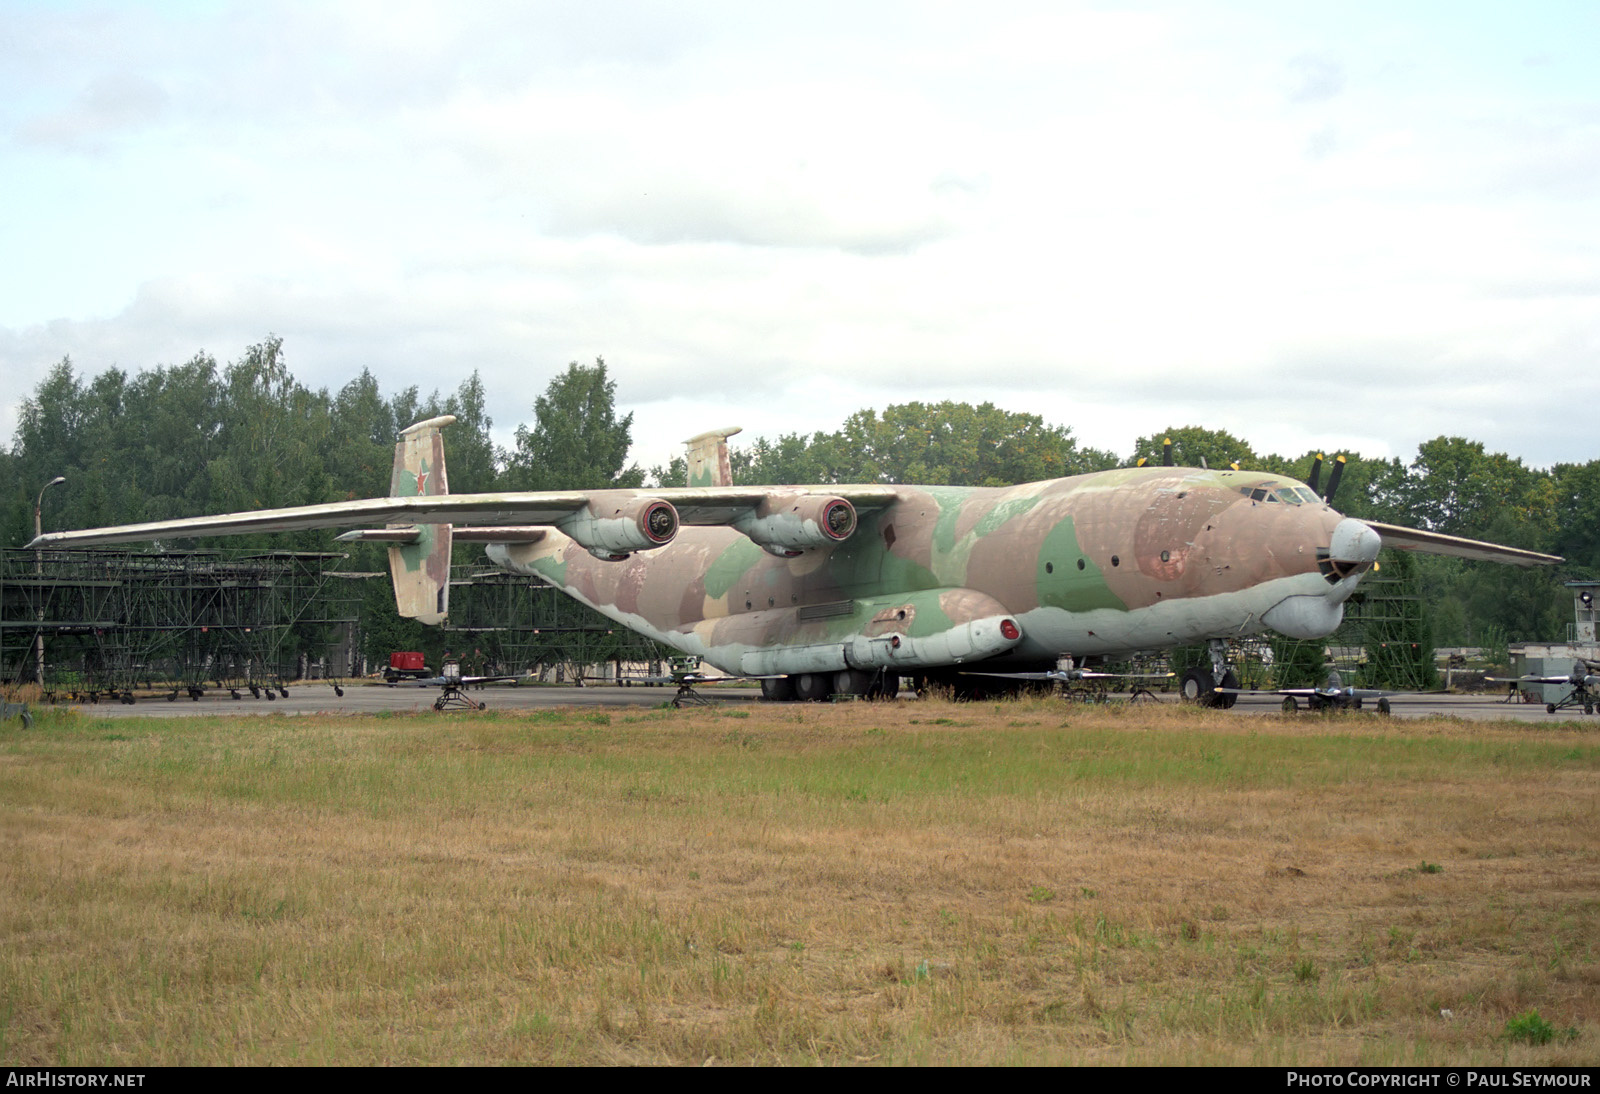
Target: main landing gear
(815,687)
(1200,685)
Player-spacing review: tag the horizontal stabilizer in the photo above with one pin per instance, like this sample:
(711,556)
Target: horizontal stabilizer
(399,533)
(408,533)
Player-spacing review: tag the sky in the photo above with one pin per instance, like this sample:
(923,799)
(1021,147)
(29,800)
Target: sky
(1353,227)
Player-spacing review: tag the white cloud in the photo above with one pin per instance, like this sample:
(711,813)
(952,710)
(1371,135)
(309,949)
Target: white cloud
(1363,228)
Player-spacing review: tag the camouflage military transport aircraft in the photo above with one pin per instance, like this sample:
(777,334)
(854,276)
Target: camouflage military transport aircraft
(844,589)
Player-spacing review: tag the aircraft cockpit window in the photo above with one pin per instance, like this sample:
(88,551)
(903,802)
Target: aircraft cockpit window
(1289,495)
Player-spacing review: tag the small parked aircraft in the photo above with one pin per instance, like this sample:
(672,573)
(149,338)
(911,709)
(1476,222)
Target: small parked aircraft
(1583,681)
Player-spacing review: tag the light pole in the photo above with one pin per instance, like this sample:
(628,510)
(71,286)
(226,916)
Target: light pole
(38,575)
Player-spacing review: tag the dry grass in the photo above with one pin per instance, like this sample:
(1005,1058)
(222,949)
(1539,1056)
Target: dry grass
(910,883)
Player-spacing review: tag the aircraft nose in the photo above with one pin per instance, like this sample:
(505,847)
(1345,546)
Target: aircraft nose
(1352,549)
(1354,541)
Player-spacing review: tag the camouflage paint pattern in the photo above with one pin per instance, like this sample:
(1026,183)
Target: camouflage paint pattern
(708,457)
(1110,562)
(420,569)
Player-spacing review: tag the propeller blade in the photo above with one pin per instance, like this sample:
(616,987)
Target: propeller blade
(1166,452)
(1333,479)
(1316,473)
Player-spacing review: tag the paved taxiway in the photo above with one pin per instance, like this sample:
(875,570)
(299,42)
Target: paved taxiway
(367,699)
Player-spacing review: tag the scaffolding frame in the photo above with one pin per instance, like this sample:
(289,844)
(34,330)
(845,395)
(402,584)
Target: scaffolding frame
(517,625)
(116,622)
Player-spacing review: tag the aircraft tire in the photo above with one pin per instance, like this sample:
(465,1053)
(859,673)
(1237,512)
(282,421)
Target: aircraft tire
(852,682)
(1383,706)
(1290,704)
(1197,686)
(1230,679)
(779,689)
(1549,708)
(885,685)
(812,687)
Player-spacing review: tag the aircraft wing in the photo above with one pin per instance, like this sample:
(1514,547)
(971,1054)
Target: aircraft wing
(1435,543)
(1074,675)
(441,681)
(695,506)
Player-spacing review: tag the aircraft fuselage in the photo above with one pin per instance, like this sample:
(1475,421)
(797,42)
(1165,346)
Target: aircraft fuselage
(1098,564)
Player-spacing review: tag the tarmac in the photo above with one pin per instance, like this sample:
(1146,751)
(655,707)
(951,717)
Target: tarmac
(362,697)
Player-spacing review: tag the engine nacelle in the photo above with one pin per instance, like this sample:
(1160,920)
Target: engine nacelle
(785,525)
(613,527)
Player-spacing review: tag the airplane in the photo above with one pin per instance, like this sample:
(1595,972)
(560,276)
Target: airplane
(452,686)
(1585,685)
(684,673)
(1084,685)
(1334,694)
(842,589)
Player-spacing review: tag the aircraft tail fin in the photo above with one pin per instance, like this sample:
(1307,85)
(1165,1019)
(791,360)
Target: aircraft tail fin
(708,458)
(420,568)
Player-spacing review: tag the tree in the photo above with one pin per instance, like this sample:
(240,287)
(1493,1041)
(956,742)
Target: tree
(1194,445)
(1455,487)
(958,444)
(933,444)
(577,441)
(1577,504)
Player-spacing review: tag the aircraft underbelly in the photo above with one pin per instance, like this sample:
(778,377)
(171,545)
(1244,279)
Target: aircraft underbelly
(1051,632)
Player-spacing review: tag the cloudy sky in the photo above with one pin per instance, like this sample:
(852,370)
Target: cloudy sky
(1354,225)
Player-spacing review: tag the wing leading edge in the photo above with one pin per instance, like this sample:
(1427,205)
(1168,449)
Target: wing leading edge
(706,506)
(1435,543)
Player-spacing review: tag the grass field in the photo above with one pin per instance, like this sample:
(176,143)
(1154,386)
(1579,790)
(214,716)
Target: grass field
(886,883)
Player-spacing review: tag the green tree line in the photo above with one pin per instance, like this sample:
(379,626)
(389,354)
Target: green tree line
(204,437)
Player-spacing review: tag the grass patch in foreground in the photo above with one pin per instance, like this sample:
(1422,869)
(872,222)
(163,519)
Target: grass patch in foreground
(902,883)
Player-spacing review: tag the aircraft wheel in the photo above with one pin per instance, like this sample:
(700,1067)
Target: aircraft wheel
(1549,708)
(778,689)
(1383,706)
(339,691)
(173,697)
(283,691)
(1230,679)
(1290,706)
(1197,686)
(438,704)
(851,682)
(885,686)
(812,687)
(1355,704)
(483,706)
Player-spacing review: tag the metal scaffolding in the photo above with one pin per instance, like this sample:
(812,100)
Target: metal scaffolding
(509,623)
(113,623)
